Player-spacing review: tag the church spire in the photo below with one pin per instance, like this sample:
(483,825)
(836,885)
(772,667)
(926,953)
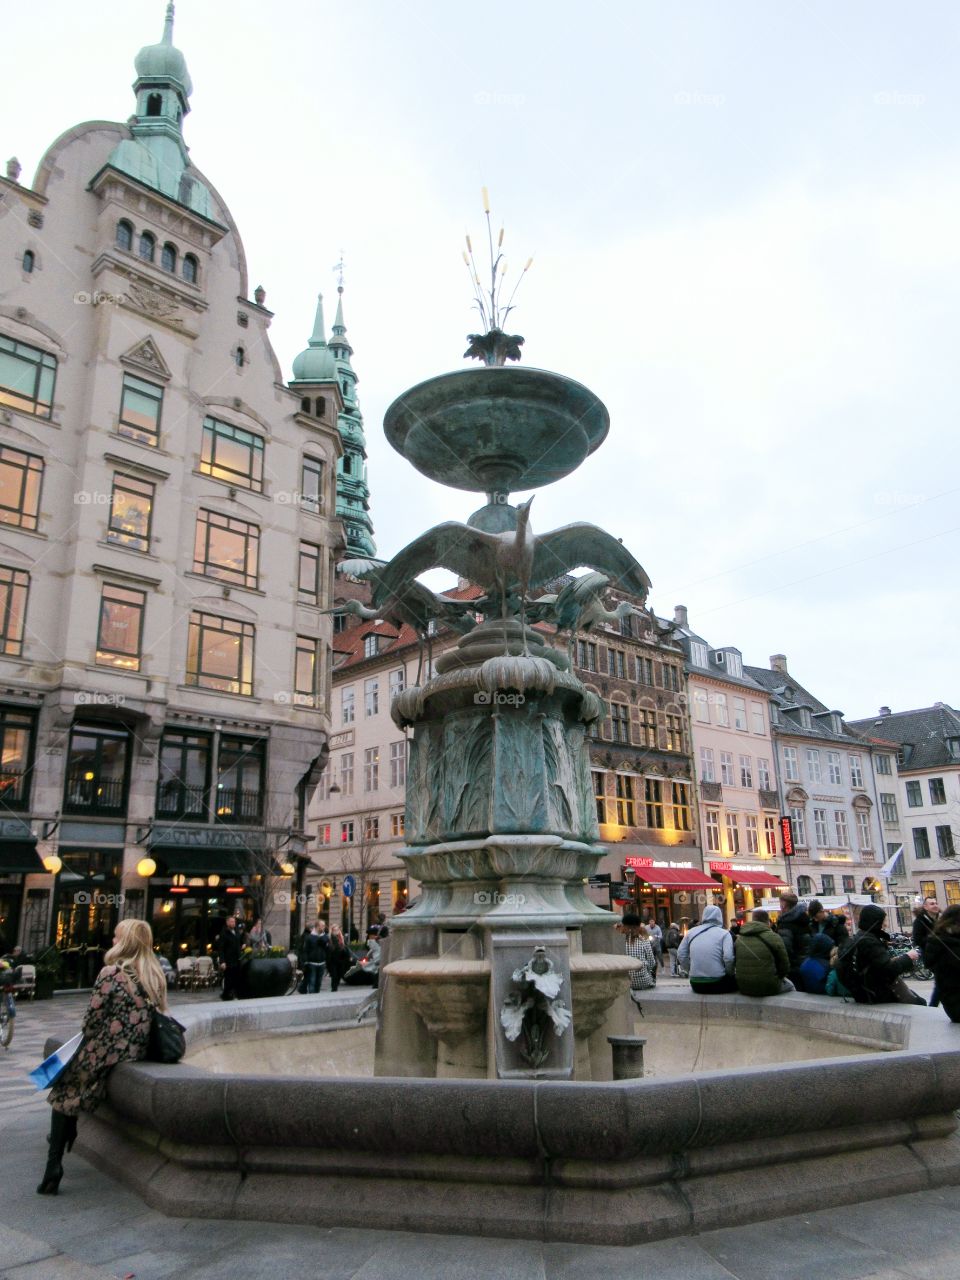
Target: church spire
(353,493)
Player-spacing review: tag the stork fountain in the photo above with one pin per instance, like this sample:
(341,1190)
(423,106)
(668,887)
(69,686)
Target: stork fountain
(504,967)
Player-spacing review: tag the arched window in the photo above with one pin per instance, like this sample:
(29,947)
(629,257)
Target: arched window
(124,235)
(148,246)
(321,406)
(347,464)
(28,261)
(305,404)
(189,269)
(240,356)
(154,104)
(168,257)
(804,886)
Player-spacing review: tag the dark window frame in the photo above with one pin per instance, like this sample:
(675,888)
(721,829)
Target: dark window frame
(116,533)
(306,697)
(202,624)
(168,257)
(17,588)
(127,654)
(313,503)
(147,246)
(190,268)
(41,362)
(91,789)
(15,785)
(309,552)
(186,742)
(32,464)
(124,233)
(215,429)
(246,529)
(245,805)
(134,430)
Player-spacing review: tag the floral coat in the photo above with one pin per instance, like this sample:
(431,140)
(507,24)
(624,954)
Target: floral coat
(115,1029)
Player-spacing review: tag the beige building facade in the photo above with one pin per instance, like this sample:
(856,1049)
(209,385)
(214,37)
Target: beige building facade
(167,537)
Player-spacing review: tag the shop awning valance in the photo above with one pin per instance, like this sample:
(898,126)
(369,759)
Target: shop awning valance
(204,862)
(20,857)
(754,879)
(675,878)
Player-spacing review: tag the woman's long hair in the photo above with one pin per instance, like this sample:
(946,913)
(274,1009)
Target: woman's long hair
(948,922)
(133,951)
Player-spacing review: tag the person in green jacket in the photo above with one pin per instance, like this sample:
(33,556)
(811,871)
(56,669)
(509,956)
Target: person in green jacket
(761,960)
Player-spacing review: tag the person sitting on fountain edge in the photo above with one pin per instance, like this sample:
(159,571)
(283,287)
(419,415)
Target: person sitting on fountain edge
(762,963)
(707,955)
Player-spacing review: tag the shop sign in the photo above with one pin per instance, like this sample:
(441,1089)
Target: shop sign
(786,835)
(648,864)
(724,867)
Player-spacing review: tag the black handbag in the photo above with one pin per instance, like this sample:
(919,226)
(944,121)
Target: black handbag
(166,1041)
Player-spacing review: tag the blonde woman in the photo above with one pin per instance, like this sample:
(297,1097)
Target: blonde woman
(115,1029)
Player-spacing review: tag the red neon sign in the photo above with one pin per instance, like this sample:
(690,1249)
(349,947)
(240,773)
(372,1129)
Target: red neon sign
(786,836)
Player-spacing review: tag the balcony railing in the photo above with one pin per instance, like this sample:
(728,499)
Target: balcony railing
(175,800)
(94,795)
(238,806)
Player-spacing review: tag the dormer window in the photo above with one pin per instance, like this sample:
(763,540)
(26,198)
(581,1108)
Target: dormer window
(371,646)
(148,246)
(734,664)
(698,653)
(805,718)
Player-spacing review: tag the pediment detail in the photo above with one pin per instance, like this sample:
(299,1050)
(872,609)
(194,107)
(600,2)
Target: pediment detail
(145,356)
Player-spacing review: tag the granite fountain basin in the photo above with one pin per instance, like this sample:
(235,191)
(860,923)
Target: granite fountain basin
(615,1162)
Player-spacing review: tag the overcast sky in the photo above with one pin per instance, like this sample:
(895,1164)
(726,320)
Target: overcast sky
(746,226)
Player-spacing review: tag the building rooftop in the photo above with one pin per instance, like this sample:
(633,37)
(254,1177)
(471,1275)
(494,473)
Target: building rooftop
(926,738)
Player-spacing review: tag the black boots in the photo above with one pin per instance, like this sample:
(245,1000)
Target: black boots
(63,1131)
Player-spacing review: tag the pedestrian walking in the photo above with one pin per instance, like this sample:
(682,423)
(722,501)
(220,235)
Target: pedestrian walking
(314,960)
(925,914)
(339,956)
(656,942)
(942,956)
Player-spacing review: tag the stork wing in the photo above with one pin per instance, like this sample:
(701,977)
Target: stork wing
(584,544)
(361,568)
(469,553)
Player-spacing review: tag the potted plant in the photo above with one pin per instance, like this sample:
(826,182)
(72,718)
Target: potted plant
(48,965)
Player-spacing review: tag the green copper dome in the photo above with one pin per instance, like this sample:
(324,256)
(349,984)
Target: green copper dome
(162,61)
(316,363)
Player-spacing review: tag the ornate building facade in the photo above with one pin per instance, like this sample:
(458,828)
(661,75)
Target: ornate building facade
(167,537)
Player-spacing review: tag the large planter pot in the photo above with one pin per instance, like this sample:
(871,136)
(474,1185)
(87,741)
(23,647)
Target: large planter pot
(45,986)
(269,976)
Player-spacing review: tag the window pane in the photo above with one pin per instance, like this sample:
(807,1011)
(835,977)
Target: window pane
(220,654)
(305,674)
(231,454)
(20,476)
(311,487)
(14,585)
(226,549)
(140,404)
(121,620)
(131,508)
(27,376)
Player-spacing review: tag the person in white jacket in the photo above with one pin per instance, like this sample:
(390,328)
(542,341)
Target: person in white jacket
(707,955)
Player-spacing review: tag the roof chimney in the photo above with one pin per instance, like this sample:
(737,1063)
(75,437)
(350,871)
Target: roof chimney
(778,662)
(884,711)
(680,615)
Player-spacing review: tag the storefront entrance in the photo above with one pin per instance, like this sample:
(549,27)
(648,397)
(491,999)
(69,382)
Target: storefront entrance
(189,924)
(88,901)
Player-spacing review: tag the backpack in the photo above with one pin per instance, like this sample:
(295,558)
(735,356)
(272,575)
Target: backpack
(850,971)
(673,939)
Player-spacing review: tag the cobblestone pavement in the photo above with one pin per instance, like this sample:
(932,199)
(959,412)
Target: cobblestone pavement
(97,1230)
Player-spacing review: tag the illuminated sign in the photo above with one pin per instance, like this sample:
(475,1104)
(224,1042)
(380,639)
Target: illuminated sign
(724,867)
(633,860)
(786,836)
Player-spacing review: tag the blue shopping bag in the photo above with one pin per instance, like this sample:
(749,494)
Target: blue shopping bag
(51,1069)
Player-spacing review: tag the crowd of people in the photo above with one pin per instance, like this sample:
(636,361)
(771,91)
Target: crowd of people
(808,949)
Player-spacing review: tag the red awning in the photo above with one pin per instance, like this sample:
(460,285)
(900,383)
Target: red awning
(755,879)
(675,878)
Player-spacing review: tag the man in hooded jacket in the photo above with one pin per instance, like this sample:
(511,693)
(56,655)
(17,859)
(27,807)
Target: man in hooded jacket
(706,953)
(762,964)
(876,975)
